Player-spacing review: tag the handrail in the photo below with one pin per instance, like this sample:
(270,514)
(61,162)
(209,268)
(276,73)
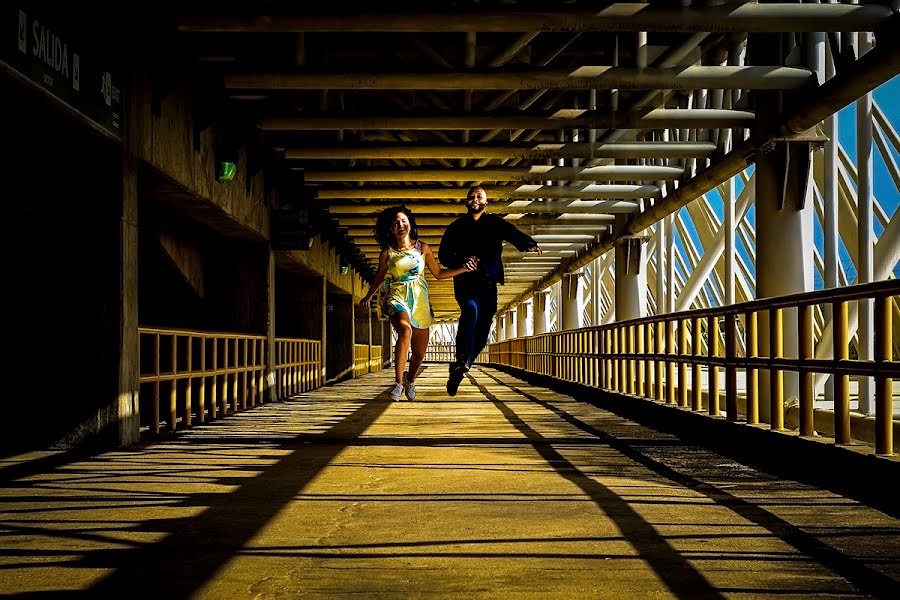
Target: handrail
(204,374)
(366,359)
(663,358)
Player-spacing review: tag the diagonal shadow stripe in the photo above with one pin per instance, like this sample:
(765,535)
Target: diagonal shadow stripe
(180,564)
(670,565)
(859,574)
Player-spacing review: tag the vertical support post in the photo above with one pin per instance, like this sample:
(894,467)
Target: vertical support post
(841,381)
(731,403)
(805,332)
(648,363)
(776,377)
(884,423)
(660,360)
(682,366)
(696,383)
(672,349)
(751,343)
(712,343)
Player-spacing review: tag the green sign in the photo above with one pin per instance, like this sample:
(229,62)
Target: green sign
(46,53)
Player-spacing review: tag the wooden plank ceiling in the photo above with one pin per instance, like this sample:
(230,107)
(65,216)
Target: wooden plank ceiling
(586,122)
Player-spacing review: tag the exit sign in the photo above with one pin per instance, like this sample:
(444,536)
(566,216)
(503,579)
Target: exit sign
(44,51)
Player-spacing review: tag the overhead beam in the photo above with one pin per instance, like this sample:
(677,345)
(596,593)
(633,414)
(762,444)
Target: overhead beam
(507,151)
(726,18)
(498,207)
(599,220)
(590,191)
(660,118)
(873,68)
(578,78)
(533,173)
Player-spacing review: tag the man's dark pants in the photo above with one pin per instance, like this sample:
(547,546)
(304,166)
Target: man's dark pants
(477,299)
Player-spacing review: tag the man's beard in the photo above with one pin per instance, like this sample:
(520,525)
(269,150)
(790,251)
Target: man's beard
(474,209)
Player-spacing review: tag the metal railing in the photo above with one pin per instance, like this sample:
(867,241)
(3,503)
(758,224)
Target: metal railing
(672,359)
(196,375)
(366,359)
(446,352)
(298,366)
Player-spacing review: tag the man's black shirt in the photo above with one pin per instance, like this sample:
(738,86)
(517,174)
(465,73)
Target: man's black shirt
(484,239)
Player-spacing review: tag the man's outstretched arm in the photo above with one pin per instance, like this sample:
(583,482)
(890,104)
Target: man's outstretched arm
(517,238)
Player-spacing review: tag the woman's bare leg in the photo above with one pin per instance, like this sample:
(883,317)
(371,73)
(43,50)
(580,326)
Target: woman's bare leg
(404,330)
(419,345)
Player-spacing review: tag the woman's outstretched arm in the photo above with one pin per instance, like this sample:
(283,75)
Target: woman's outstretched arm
(380,274)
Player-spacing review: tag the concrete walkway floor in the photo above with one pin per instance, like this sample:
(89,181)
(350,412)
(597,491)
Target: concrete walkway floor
(504,491)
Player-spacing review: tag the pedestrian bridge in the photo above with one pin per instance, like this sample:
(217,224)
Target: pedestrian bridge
(507,490)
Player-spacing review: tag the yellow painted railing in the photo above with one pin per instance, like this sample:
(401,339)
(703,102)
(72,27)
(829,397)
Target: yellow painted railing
(196,375)
(366,359)
(446,352)
(298,366)
(673,359)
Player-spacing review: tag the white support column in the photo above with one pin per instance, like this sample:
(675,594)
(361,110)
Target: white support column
(865,212)
(523,319)
(784,260)
(511,329)
(500,323)
(670,263)
(572,301)
(662,305)
(541,312)
(830,208)
(631,276)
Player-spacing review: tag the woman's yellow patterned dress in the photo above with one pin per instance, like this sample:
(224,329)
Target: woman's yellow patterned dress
(405,288)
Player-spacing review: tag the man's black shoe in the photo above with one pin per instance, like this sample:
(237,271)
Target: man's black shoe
(457,370)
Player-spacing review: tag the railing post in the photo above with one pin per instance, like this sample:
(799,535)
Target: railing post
(660,360)
(157,342)
(712,345)
(751,342)
(648,361)
(639,363)
(201,409)
(884,438)
(671,349)
(776,374)
(189,367)
(173,389)
(697,378)
(841,381)
(682,365)
(731,403)
(805,332)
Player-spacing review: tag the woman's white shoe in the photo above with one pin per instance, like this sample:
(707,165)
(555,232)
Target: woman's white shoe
(410,387)
(397,391)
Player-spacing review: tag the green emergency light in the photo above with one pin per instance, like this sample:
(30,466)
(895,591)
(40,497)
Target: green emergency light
(225,171)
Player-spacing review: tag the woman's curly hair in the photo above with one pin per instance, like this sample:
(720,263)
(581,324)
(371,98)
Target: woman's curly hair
(382,230)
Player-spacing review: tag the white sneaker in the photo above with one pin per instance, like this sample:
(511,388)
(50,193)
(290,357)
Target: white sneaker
(410,387)
(397,391)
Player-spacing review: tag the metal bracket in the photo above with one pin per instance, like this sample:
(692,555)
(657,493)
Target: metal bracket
(792,156)
(815,140)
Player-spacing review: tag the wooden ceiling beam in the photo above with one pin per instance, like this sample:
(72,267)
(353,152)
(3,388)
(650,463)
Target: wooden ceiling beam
(755,77)
(525,191)
(660,118)
(506,151)
(533,173)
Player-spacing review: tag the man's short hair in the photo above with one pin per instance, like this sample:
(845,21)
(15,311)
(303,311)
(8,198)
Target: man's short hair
(475,187)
